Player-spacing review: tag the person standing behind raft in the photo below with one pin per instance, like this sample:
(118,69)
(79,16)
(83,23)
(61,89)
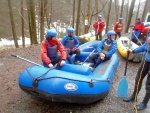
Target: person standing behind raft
(143,70)
(49,51)
(71,43)
(99,27)
(138,27)
(106,49)
(118,27)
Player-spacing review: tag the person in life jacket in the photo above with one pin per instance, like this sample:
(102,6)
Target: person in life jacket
(71,43)
(99,27)
(138,27)
(143,71)
(106,49)
(49,51)
(118,27)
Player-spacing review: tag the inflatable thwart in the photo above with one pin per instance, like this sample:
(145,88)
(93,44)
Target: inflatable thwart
(72,83)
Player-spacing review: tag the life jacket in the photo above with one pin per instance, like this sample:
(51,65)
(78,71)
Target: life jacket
(70,43)
(106,47)
(119,27)
(52,51)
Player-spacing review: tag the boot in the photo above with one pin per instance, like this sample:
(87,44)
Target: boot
(129,99)
(141,106)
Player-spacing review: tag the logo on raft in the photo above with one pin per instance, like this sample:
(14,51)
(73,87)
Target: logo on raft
(70,87)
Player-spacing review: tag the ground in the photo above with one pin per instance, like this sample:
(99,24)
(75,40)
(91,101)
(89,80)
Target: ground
(14,100)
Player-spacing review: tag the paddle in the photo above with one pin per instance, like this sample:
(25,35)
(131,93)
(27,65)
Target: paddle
(17,56)
(137,39)
(88,56)
(122,90)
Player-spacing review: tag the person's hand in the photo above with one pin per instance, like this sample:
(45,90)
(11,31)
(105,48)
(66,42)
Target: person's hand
(102,55)
(67,49)
(130,50)
(51,65)
(74,49)
(102,58)
(62,63)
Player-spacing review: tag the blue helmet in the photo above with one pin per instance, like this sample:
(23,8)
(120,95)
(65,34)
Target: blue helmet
(99,16)
(51,32)
(111,32)
(70,30)
(120,19)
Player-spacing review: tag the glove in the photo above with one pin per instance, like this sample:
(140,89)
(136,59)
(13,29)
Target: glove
(130,50)
(102,55)
(51,65)
(62,63)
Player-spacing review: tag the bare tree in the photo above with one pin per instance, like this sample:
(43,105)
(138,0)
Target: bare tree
(13,24)
(87,17)
(108,15)
(96,9)
(130,15)
(116,9)
(138,10)
(127,11)
(32,23)
(78,17)
(122,8)
(73,15)
(144,11)
(22,21)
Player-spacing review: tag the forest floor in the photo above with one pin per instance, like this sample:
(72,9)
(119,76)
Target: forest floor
(14,100)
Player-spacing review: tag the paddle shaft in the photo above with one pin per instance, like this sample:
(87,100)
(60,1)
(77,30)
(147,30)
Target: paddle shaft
(126,64)
(88,56)
(26,60)
(137,39)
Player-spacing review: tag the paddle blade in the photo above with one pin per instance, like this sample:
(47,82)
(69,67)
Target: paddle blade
(123,88)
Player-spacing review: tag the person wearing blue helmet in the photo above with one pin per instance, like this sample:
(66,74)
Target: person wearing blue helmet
(71,43)
(118,27)
(106,48)
(143,71)
(49,51)
(99,27)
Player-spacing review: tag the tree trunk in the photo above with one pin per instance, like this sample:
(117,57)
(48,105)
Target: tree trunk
(22,22)
(130,15)
(78,17)
(108,15)
(121,15)
(96,9)
(32,21)
(144,11)
(42,21)
(138,10)
(116,9)
(73,15)
(87,18)
(13,24)
(127,12)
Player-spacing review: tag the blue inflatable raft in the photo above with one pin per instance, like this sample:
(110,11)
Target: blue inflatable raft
(73,83)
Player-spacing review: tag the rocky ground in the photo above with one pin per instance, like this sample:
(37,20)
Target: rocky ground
(14,100)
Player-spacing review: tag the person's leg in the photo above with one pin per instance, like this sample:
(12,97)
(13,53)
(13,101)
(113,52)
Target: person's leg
(100,36)
(56,62)
(93,57)
(142,72)
(77,52)
(69,58)
(143,104)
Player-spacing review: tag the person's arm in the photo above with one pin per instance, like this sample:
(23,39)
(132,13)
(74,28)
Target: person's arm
(62,50)
(100,46)
(140,49)
(63,41)
(112,50)
(76,41)
(43,53)
(115,27)
(102,24)
(95,25)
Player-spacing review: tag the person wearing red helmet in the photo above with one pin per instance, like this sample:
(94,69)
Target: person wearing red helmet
(118,27)
(106,49)
(99,27)
(49,51)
